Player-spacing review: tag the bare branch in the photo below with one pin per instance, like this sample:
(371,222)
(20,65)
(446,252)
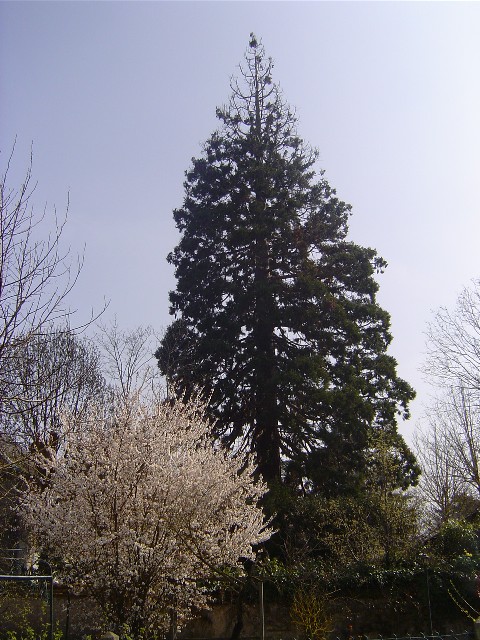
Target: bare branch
(128,359)
(36,273)
(448,450)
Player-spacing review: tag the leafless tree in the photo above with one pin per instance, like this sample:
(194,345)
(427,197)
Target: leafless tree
(128,359)
(55,372)
(453,343)
(448,450)
(463,414)
(448,446)
(36,274)
(441,490)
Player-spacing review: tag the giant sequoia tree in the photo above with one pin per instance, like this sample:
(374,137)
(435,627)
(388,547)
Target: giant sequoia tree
(275,310)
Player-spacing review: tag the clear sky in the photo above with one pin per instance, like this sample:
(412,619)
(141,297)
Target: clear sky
(117,97)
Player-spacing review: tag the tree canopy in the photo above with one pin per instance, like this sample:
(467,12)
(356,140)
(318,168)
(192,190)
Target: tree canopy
(275,309)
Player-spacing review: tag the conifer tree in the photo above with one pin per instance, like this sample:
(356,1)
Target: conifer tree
(275,309)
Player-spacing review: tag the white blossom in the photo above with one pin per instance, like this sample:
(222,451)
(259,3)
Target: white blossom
(141,505)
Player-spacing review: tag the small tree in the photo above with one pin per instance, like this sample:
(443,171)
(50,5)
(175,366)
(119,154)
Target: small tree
(142,507)
(392,510)
(310,612)
(448,449)
(128,359)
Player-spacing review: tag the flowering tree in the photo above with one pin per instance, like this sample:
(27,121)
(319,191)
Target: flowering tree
(142,507)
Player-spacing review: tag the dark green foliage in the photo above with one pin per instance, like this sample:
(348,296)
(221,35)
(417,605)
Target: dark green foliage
(337,535)
(275,308)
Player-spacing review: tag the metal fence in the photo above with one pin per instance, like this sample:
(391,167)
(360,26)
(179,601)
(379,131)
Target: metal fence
(452,635)
(12,562)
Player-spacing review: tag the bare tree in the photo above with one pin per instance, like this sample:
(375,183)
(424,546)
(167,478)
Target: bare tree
(453,343)
(448,448)
(463,412)
(128,359)
(36,274)
(36,277)
(443,490)
(55,372)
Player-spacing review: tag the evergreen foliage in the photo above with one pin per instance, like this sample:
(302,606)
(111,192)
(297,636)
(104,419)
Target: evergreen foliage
(275,309)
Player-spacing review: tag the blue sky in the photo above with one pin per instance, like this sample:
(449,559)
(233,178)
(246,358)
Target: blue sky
(117,97)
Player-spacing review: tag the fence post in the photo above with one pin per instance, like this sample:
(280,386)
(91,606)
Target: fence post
(476,626)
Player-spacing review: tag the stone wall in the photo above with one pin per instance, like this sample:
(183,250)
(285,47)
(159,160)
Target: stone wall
(373,618)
